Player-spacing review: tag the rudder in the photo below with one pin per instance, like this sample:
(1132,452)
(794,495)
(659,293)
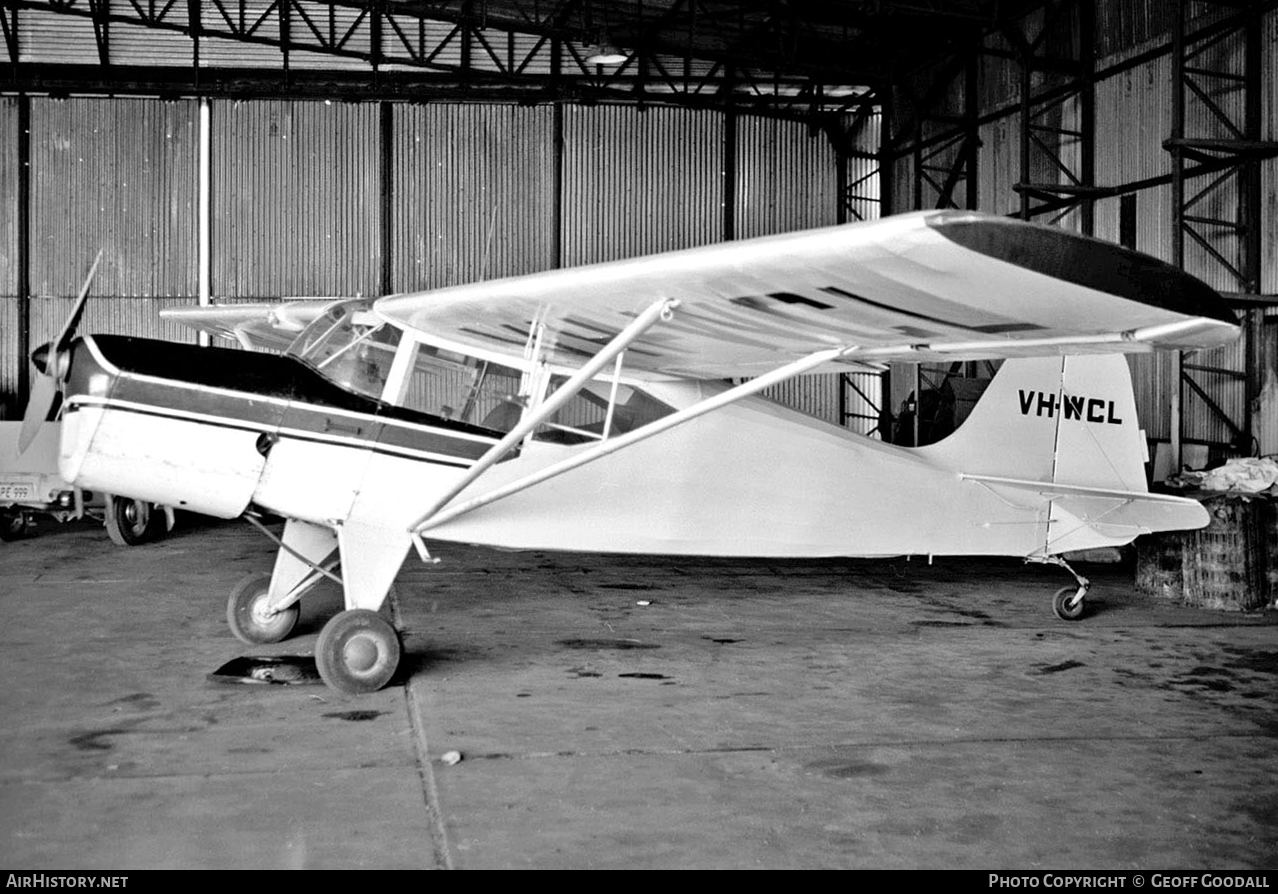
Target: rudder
(1066,420)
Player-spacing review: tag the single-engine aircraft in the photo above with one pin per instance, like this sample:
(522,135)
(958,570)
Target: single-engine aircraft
(590,409)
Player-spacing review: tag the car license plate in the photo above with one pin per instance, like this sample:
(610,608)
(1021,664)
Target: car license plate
(17,490)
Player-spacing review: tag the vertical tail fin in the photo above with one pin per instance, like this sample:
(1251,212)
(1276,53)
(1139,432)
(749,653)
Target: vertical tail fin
(1059,436)
(1065,420)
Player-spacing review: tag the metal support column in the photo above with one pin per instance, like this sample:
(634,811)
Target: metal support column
(386,130)
(204,224)
(944,154)
(557,163)
(1216,126)
(730,173)
(864,174)
(24,250)
(1058,133)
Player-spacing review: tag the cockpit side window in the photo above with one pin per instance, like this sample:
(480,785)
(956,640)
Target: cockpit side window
(465,389)
(585,417)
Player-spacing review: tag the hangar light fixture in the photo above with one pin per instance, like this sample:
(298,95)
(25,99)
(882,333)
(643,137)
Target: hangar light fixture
(604,53)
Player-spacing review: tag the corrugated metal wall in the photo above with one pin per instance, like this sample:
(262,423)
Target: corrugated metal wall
(10,359)
(110,174)
(786,180)
(637,182)
(9,348)
(8,197)
(296,199)
(116,175)
(473,193)
(1123,26)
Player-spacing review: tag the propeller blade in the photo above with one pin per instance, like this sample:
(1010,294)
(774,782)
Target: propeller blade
(44,391)
(64,339)
(45,387)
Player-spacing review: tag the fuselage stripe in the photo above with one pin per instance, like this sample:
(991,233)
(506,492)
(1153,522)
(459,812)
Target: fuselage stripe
(222,422)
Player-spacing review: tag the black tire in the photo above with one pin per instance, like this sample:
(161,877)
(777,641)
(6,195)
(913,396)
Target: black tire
(12,526)
(1061,607)
(132,522)
(357,652)
(242,612)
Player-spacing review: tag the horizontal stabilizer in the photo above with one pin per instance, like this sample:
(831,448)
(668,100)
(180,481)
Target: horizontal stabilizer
(1058,489)
(272,326)
(1078,522)
(1118,514)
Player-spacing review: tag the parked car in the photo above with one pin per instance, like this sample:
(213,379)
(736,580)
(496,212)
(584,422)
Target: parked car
(30,486)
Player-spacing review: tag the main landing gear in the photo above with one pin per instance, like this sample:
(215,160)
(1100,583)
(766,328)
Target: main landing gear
(358,650)
(250,615)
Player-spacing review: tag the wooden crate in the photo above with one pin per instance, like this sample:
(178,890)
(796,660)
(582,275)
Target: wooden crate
(1229,565)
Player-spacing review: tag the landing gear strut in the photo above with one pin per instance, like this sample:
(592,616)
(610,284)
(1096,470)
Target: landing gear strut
(358,650)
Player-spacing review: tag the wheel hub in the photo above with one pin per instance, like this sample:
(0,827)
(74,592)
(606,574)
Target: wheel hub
(262,611)
(361,654)
(357,651)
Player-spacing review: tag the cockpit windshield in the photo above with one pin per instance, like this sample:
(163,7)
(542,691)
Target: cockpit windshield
(351,346)
(354,348)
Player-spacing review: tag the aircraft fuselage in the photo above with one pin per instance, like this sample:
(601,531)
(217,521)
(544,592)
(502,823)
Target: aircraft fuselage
(218,431)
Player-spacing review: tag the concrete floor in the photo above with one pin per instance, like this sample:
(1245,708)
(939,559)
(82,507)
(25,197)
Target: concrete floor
(753,714)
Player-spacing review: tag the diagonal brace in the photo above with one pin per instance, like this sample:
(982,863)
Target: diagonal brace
(659,310)
(612,445)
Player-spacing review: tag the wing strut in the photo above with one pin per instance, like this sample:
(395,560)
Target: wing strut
(1148,335)
(658,310)
(745,389)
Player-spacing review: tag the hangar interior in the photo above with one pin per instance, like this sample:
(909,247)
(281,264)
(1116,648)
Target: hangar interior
(250,151)
(559,709)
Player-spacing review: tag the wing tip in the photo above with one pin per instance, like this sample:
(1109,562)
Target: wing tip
(1084,261)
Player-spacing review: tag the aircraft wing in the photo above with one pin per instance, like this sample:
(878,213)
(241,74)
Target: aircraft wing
(944,285)
(265,325)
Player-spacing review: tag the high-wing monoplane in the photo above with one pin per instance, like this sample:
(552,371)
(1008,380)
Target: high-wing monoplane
(592,409)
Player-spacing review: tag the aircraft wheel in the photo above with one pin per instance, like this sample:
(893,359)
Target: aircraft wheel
(245,612)
(12,526)
(1061,604)
(357,652)
(130,522)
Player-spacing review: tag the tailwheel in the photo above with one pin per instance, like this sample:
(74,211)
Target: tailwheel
(1067,603)
(357,652)
(248,615)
